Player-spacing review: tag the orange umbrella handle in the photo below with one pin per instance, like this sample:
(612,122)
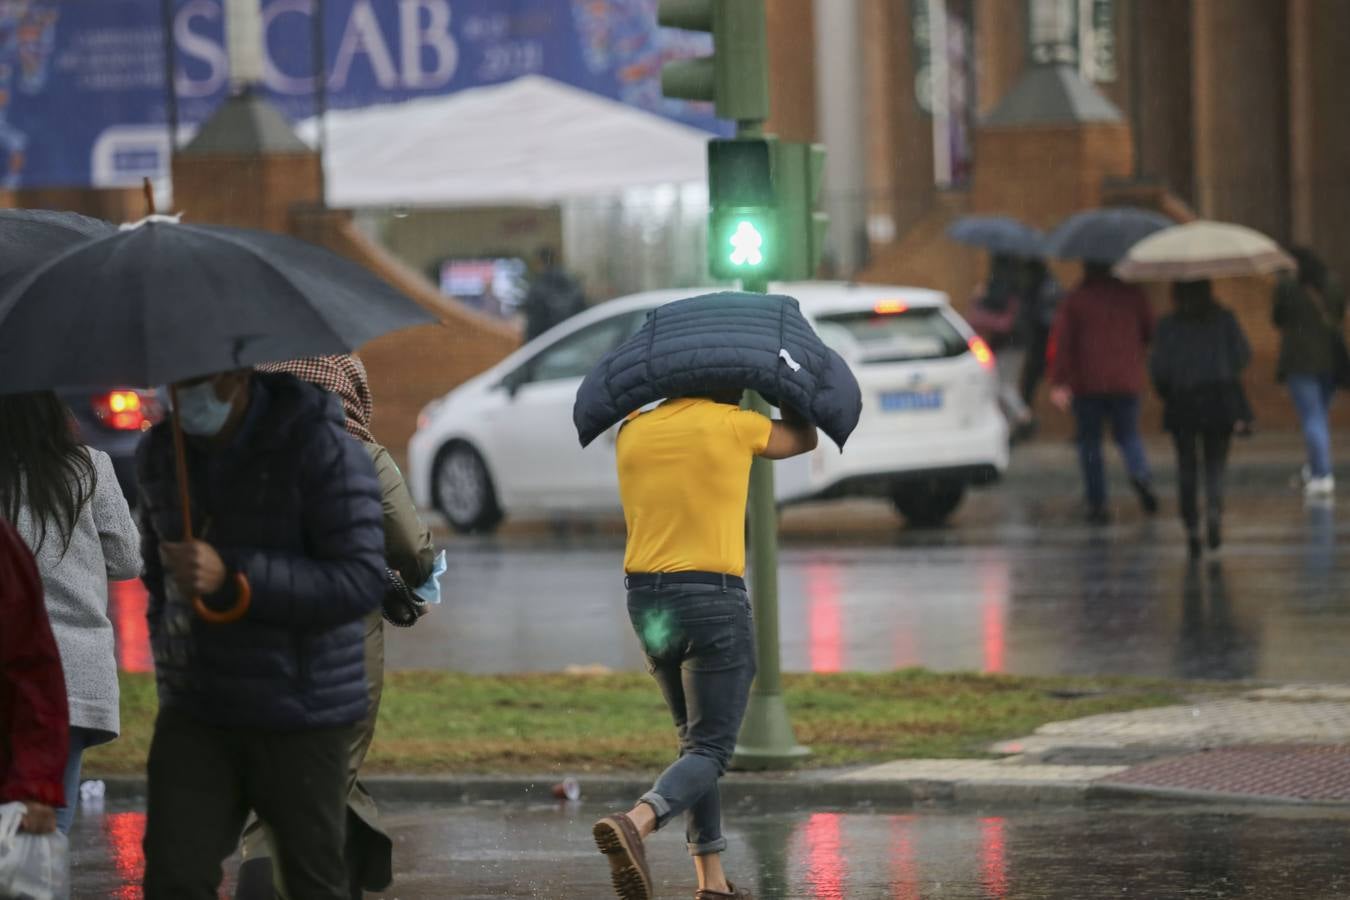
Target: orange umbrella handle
(243,599)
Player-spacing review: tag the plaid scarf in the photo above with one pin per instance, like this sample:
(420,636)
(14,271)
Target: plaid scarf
(341,375)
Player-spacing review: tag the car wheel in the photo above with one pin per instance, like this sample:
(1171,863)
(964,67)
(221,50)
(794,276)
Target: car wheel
(464,492)
(928,504)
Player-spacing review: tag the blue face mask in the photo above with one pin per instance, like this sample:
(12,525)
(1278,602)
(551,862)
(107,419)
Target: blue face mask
(200,411)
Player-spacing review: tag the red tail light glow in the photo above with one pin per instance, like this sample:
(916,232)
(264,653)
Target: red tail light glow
(890,307)
(983,354)
(127,410)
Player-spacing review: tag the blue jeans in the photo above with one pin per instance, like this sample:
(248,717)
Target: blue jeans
(1122,411)
(1312,399)
(700,648)
(81,739)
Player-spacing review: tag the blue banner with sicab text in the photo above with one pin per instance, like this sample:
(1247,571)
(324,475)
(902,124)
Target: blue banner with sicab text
(83,100)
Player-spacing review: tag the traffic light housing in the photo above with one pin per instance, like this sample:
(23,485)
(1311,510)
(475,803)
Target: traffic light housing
(743,217)
(798,171)
(735,78)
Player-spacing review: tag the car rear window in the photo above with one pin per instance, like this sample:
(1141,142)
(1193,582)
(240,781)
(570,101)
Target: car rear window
(888,337)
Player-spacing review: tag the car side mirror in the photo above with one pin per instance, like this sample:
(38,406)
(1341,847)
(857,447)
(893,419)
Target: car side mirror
(511,384)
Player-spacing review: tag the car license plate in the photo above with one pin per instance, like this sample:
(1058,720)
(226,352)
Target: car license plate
(911,401)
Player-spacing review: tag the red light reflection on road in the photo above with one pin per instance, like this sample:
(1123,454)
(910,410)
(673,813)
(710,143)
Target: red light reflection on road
(993,858)
(825,619)
(994,589)
(904,865)
(126,608)
(124,832)
(826,872)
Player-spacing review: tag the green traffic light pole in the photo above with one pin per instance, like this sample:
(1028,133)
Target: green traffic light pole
(736,79)
(766,740)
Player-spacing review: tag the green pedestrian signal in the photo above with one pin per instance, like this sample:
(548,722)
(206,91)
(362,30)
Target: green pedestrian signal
(742,226)
(735,79)
(742,243)
(747,245)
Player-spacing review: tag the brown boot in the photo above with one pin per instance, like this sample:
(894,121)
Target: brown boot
(732,893)
(617,837)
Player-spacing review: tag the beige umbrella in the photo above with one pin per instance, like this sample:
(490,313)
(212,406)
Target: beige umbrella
(1203,249)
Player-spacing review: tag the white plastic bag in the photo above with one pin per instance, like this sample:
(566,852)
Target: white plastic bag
(32,866)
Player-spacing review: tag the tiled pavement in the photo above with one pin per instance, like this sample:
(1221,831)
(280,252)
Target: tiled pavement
(1288,743)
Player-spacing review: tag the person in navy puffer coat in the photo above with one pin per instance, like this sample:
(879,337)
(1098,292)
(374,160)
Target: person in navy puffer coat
(256,706)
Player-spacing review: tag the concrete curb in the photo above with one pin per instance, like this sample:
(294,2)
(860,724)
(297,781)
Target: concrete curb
(790,792)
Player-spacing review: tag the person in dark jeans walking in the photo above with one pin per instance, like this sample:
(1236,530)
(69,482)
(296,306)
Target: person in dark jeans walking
(684,470)
(1098,346)
(1040,300)
(260,688)
(1196,364)
(1309,312)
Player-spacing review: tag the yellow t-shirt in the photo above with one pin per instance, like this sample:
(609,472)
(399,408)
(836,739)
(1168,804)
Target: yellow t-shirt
(684,475)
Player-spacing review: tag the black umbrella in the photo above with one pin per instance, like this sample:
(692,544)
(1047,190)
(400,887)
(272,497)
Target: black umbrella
(998,234)
(29,237)
(161,302)
(1103,235)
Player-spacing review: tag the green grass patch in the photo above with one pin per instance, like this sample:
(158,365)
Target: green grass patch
(445,722)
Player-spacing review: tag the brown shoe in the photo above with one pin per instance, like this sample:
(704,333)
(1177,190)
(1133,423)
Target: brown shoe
(732,893)
(617,837)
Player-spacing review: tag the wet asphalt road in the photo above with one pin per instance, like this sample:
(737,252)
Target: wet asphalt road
(1016,584)
(545,851)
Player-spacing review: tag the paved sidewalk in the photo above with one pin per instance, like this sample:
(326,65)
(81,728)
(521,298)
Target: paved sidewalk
(1287,744)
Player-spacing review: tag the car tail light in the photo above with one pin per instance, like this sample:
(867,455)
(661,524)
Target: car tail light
(890,307)
(983,354)
(127,410)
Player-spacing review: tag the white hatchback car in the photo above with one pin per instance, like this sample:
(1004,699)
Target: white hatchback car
(503,443)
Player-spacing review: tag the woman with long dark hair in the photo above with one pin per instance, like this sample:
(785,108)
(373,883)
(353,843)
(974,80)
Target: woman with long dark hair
(65,502)
(1198,356)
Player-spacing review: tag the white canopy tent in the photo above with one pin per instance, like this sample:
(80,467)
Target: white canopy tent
(531,141)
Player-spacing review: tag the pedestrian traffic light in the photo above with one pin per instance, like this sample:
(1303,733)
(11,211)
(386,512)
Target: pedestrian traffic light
(798,170)
(735,78)
(742,221)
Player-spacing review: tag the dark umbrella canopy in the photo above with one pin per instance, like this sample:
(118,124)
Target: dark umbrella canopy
(29,237)
(1103,235)
(162,302)
(998,234)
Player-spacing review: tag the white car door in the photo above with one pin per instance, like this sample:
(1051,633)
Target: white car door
(537,459)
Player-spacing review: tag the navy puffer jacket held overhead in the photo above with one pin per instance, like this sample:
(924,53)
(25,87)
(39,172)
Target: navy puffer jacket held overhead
(292,503)
(728,340)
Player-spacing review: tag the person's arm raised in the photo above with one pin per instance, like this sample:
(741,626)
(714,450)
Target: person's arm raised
(791,436)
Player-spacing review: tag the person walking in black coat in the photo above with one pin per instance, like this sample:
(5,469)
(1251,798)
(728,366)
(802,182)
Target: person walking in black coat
(1197,361)
(260,688)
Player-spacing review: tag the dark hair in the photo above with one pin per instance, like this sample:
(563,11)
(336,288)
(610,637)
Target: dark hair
(42,465)
(1311,269)
(1194,299)
(1095,269)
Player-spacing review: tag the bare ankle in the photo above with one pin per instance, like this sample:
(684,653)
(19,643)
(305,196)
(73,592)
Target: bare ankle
(643,818)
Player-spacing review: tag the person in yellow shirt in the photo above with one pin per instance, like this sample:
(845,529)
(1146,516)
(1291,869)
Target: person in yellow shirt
(684,476)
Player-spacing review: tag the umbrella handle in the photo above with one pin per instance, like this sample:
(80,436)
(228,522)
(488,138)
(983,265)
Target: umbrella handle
(244,598)
(242,592)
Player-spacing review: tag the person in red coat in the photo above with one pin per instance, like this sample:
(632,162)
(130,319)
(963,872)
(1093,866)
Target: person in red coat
(1098,350)
(34,722)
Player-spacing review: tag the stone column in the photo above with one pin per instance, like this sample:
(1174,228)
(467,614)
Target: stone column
(1240,90)
(792,69)
(1158,63)
(1319,128)
(900,186)
(1001,48)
